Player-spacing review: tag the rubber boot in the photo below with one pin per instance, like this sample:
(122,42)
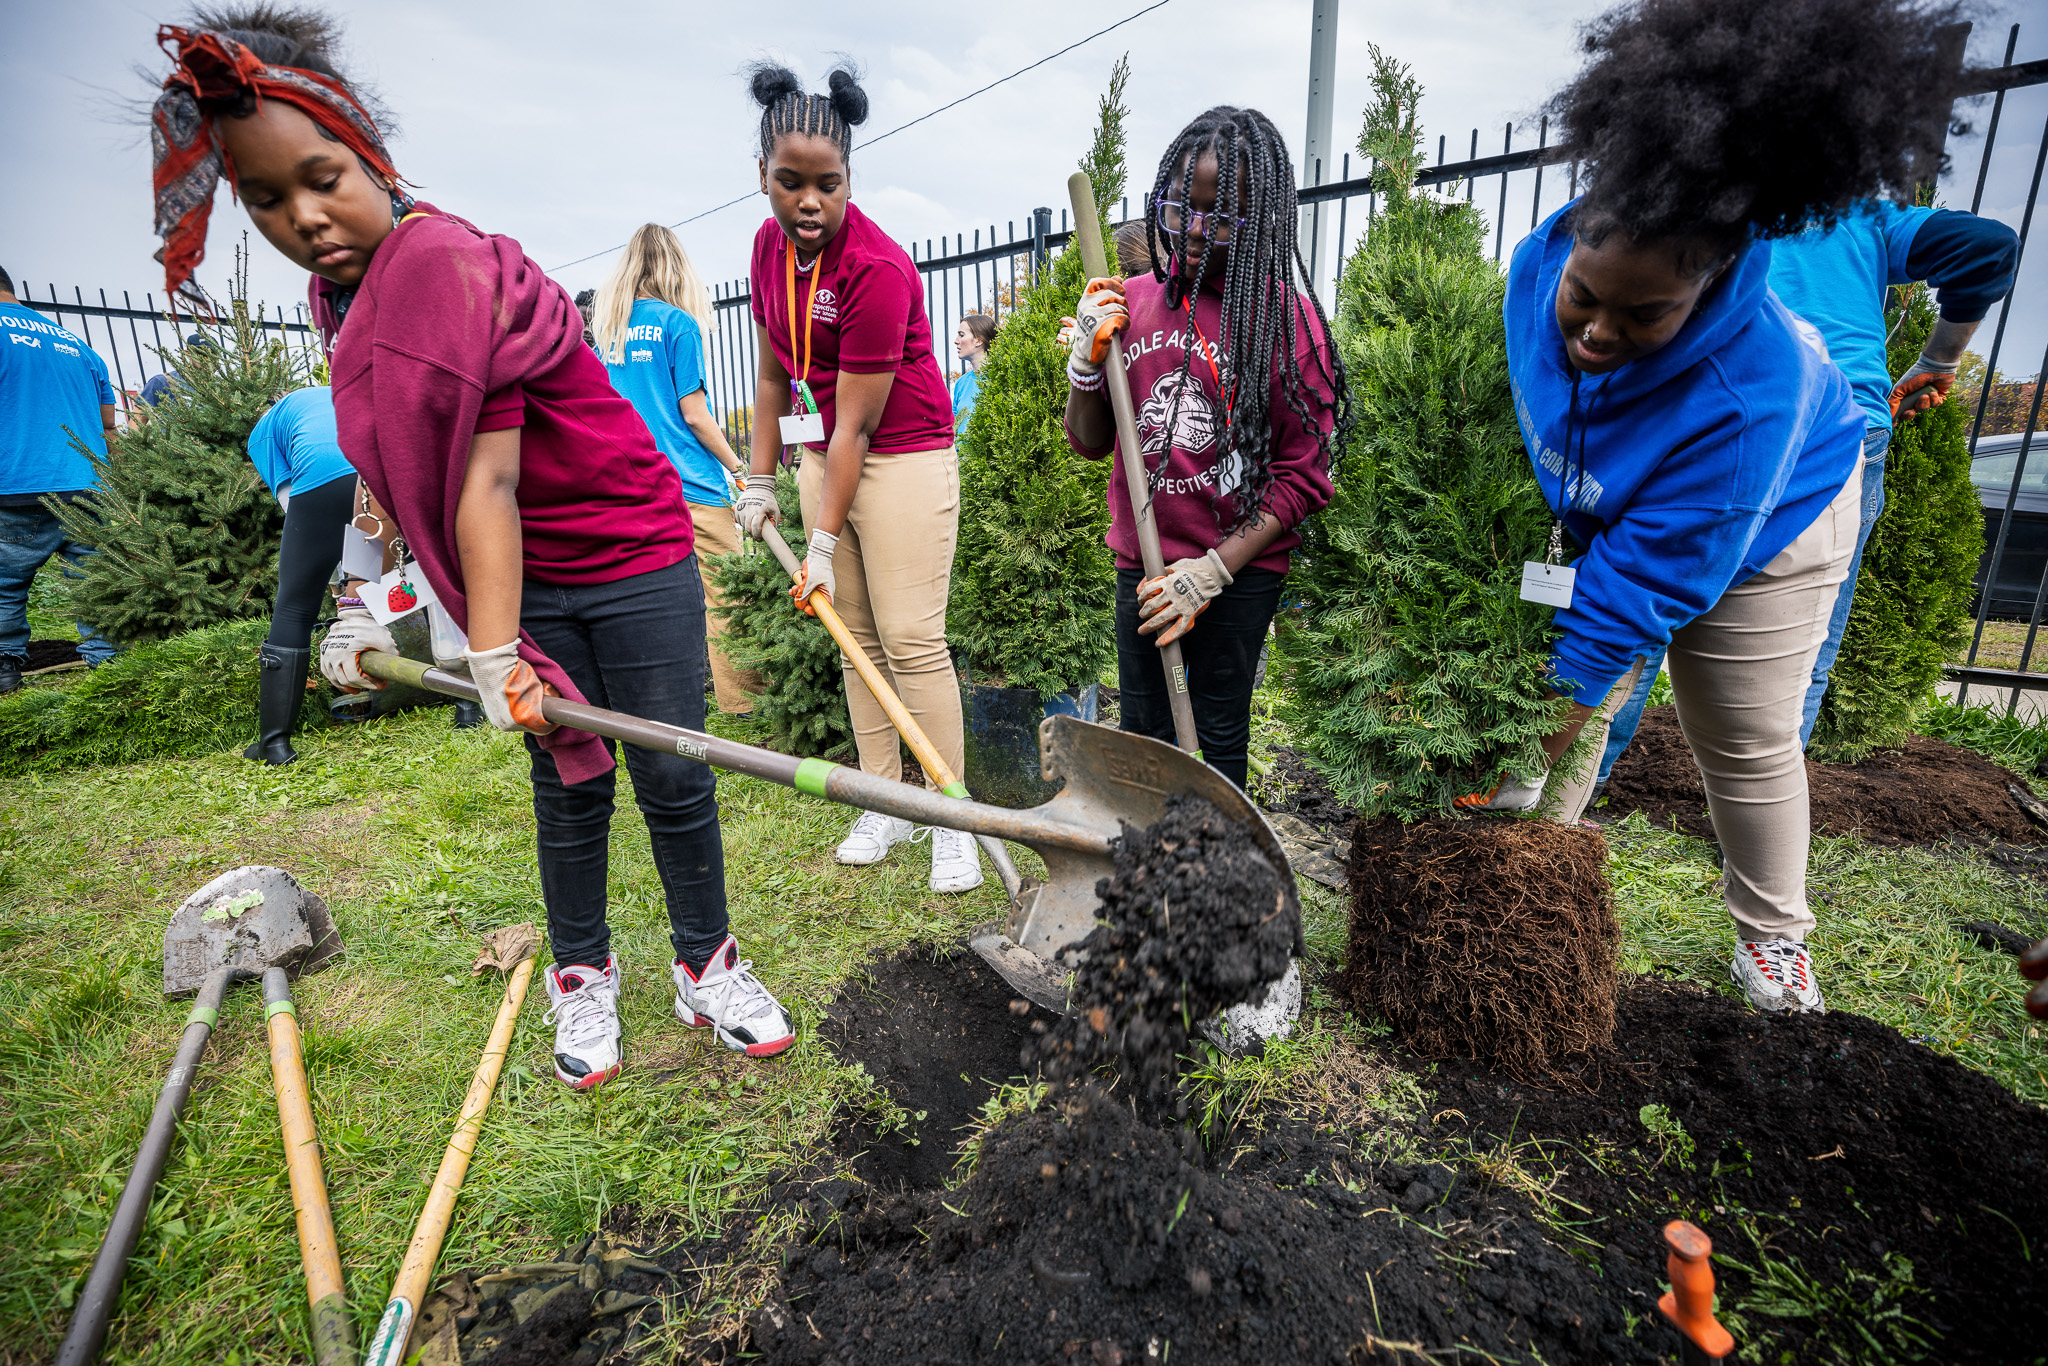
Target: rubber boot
(468,715)
(282,692)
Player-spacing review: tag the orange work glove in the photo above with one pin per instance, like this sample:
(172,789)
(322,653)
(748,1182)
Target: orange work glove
(511,690)
(1100,315)
(1922,387)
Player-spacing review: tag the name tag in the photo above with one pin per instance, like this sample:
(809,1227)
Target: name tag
(1548,584)
(361,557)
(398,594)
(798,428)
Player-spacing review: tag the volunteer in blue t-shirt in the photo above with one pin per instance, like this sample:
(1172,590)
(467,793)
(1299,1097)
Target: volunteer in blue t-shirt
(970,343)
(53,388)
(648,320)
(1835,278)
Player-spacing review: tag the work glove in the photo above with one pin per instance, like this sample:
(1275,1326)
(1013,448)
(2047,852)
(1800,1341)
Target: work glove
(510,690)
(816,571)
(353,632)
(1170,603)
(1101,315)
(1511,793)
(1921,388)
(1066,333)
(757,505)
(2034,967)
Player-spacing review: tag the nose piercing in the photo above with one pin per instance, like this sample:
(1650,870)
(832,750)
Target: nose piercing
(1587,335)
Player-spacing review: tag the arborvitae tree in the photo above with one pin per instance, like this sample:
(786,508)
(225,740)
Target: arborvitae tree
(804,702)
(1418,672)
(186,534)
(1913,593)
(1033,601)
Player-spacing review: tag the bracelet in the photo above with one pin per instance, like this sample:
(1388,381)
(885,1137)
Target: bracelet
(1087,384)
(351,602)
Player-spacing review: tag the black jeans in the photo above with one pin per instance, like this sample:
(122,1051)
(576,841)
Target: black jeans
(1222,657)
(635,645)
(313,523)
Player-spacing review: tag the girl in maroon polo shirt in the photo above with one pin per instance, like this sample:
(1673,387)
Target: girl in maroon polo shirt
(848,374)
(531,497)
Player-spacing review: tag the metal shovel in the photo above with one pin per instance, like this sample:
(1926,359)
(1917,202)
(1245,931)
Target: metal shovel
(1111,778)
(233,929)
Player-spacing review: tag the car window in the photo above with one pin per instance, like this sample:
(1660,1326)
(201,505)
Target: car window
(1993,472)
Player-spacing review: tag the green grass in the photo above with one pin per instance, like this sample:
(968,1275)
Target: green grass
(418,837)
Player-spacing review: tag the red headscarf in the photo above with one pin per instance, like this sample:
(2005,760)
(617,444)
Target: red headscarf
(188,158)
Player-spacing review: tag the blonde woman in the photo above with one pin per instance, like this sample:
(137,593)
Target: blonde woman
(649,321)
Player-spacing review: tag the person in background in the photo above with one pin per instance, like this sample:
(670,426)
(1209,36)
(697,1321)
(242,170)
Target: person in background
(529,494)
(1242,407)
(1133,248)
(164,383)
(1835,278)
(586,305)
(846,355)
(649,322)
(1687,429)
(54,398)
(970,343)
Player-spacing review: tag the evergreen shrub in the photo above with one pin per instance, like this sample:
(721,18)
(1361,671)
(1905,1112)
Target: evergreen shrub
(1913,593)
(1417,671)
(190,694)
(1034,584)
(804,701)
(185,532)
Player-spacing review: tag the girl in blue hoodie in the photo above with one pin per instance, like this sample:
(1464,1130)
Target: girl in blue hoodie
(1700,450)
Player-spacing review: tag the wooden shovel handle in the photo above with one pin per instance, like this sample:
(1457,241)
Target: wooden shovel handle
(333,1330)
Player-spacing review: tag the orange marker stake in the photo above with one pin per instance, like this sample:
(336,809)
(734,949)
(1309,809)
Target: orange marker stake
(1690,1303)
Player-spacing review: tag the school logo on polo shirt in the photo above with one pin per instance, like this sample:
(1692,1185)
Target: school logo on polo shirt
(825,308)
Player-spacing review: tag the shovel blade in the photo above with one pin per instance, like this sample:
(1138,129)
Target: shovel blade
(248,919)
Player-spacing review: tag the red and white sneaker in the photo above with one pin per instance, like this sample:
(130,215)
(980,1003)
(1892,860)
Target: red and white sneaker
(583,1006)
(728,999)
(1776,975)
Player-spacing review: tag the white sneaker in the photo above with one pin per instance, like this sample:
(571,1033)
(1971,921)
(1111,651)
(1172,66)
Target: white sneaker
(583,1006)
(956,859)
(1776,975)
(871,838)
(729,999)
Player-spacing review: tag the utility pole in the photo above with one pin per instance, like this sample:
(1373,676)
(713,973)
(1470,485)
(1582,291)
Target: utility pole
(1318,162)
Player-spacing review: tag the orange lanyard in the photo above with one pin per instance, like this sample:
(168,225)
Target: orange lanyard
(810,303)
(1229,400)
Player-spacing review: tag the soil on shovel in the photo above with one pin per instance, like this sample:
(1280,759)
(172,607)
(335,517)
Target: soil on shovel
(1839,1142)
(1927,792)
(939,1031)
(1489,938)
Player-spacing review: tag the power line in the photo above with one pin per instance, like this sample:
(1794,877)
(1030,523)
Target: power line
(1157,4)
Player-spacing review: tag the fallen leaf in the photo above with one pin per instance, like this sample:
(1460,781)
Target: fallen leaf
(505,947)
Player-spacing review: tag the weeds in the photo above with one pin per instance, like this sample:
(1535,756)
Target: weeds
(1667,1133)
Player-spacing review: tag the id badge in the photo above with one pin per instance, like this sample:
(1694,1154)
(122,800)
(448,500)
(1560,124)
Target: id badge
(799,428)
(398,594)
(361,557)
(1548,584)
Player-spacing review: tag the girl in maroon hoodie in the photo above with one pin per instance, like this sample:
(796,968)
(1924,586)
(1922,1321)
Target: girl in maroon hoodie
(1242,407)
(530,496)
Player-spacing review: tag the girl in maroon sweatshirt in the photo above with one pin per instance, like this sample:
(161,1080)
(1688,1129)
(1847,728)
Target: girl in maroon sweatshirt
(530,496)
(1241,405)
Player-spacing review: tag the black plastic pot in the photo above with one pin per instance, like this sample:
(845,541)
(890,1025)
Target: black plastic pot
(1002,739)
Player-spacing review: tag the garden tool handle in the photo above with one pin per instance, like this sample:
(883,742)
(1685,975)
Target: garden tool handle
(1689,1304)
(394,1329)
(927,754)
(334,1333)
(102,1290)
(1095,261)
(813,777)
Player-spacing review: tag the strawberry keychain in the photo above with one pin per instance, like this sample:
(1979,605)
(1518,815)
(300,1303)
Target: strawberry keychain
(402,598)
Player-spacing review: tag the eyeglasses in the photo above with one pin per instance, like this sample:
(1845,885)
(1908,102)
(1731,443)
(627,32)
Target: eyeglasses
(1219,228)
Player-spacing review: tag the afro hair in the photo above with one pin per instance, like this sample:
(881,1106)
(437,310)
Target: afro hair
(1719,120)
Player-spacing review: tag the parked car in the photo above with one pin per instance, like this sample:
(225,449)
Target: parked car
(2025,555)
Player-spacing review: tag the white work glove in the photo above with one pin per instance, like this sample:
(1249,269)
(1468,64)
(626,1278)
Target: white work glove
(1170,603)
(1100,315)
(353,632)
(1922,387)
(816,571)
(511,691)
(1511,793)
(757,504)
(1065,338)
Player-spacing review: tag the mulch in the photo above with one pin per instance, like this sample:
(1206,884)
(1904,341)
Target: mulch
(1925,793)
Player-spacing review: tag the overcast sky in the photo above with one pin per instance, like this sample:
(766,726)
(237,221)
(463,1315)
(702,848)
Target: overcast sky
(566,126)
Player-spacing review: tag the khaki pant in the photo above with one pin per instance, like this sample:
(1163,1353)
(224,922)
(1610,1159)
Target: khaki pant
(893,569)
(1739,676)
(718,534)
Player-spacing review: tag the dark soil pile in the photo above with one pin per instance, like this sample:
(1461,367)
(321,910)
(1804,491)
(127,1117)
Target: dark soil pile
(1845,1144)
(1295,787)
(1925,793)
(938,1031)
(1194,920)
(48,654)
(1484,938)
(1090,1239)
